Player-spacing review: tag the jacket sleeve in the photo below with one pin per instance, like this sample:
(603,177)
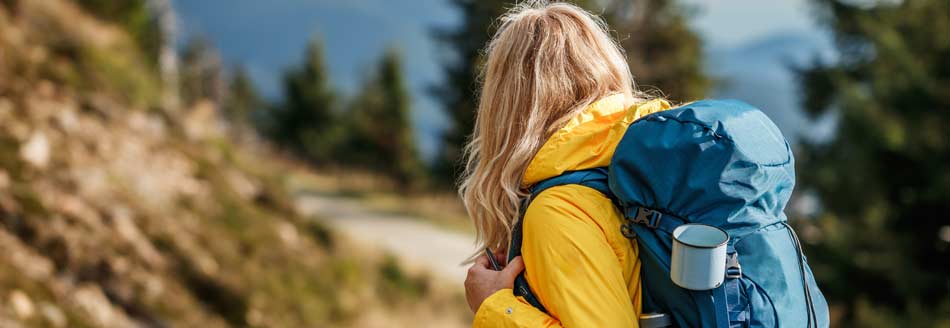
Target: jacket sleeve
(570,265)
(504,309)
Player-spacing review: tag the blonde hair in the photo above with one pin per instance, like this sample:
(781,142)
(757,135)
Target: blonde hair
(546,63)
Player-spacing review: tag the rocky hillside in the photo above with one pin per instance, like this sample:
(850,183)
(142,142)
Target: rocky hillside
(116,212)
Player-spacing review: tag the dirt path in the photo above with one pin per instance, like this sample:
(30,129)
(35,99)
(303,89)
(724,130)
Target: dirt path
(415,243)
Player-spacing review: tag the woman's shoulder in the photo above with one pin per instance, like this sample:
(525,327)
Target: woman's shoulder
(566,206)
(572,217)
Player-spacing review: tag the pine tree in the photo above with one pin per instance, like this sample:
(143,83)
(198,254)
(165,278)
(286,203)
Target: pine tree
(379,126)
(305,123)
(458,92)
(883,252)
(242,101)
(662,51)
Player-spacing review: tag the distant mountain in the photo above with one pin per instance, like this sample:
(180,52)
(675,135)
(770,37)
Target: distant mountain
(761,72)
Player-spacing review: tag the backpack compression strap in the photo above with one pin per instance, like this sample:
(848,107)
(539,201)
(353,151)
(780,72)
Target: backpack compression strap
(592,178)
(718,298)
(597,180)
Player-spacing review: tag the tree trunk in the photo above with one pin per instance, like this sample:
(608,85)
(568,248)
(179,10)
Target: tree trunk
(164,15)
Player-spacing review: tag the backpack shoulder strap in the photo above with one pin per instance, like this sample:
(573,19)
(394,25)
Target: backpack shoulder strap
(593,178)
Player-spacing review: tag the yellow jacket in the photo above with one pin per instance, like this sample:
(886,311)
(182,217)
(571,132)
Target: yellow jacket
(584,271)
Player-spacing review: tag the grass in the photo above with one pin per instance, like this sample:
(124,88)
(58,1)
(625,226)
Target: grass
(395,282)
(322,279)
(39,295)
(115,67)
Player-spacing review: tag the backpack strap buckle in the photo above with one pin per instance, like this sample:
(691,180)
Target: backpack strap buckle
(627,231)
(648,217)
(733,269)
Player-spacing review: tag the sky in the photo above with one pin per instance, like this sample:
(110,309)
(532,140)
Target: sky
(731,23)
(268,37)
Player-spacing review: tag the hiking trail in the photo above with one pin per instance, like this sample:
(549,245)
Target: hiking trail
(415,243)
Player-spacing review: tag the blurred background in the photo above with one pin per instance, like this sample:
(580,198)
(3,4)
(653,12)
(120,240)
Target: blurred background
(290,163)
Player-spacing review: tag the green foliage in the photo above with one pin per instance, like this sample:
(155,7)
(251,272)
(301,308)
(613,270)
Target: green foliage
(220,298)
(118,73)
(242,100)
(661,49)
(375,132)
(9,155)
(320,233)
(306,122)
(306,283)
(884,182)
(379,131)
(115,67)
(458,92)
(395,284)
(134,17)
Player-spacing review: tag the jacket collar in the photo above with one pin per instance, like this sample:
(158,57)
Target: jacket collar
(589,139)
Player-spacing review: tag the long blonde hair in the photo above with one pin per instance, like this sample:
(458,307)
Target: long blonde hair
(546,62)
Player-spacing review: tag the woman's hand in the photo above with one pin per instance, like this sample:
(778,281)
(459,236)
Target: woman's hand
(482,280)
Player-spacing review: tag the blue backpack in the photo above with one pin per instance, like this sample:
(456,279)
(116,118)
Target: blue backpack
(716,162)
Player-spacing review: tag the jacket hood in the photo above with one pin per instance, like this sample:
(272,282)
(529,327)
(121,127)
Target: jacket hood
(589,139)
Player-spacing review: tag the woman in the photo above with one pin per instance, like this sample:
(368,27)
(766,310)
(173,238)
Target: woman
(557,96)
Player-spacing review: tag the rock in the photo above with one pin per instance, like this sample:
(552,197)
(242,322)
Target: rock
(4,180)
(92,181)
(8,204)
(67,120)
(9,323)
(127,229)
(96,305)
(202,121)
(242,185)
(23,259)
(74,207)
(254,317)
(22,305)
(154,287)
(36,150)
(17,129)
(6,109)
(53,315)
(149,125)
(46,89)
(207,265)
(288,234)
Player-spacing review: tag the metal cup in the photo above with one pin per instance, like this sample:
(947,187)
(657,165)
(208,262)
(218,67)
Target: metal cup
(699,256)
